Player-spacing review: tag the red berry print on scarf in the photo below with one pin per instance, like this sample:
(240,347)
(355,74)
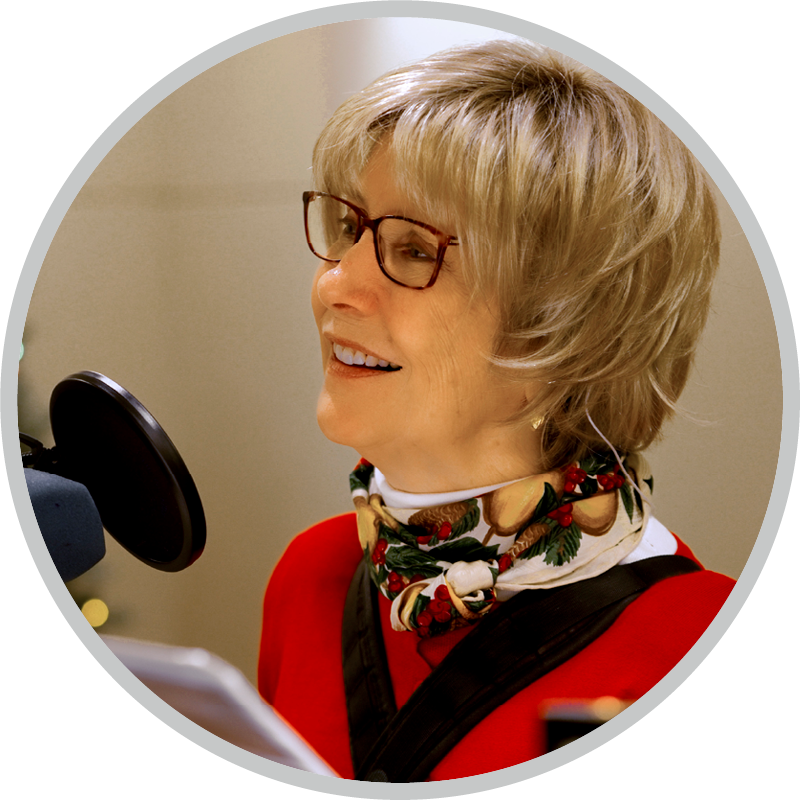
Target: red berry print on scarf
(611,481)
(563,515)
(396,583)
(442,593)
(440,609)
(424,619)
(574,476)
(440,606)
(379,556)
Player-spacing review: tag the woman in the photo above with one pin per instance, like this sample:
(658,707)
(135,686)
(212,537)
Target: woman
(516,260)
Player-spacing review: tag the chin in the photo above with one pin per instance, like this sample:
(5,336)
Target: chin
(367,435)
(337,426)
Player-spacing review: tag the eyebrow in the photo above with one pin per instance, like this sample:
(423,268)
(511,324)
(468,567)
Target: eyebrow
(357,199)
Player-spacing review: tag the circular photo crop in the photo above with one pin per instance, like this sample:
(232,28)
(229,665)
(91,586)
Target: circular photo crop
(419,363)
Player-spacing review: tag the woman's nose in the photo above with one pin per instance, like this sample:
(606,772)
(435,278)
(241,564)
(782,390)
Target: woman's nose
(354,283)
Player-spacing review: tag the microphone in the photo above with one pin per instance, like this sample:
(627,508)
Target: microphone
(69,522)
(113,466)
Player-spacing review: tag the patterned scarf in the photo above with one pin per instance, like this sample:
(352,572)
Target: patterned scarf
(446,566)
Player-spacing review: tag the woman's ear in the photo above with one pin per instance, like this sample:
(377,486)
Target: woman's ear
(533,393)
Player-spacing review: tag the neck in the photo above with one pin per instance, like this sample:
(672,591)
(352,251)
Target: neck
(496,457)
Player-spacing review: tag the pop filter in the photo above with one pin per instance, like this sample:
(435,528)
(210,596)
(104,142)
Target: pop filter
(109,442)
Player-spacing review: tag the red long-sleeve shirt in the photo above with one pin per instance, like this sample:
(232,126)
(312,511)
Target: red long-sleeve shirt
(300,663)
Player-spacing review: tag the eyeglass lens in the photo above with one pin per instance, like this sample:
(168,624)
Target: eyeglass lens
(408,252)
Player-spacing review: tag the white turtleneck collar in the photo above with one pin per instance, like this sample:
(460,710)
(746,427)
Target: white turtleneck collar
(394,498)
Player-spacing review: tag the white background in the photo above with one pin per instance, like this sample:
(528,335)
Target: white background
(70,69)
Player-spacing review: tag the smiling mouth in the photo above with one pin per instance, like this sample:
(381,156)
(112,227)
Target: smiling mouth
(355,358)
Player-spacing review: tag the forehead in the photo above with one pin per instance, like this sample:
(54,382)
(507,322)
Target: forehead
(381,191)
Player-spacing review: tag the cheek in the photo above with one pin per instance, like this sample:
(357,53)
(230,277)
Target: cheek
(455,369)
(317,306)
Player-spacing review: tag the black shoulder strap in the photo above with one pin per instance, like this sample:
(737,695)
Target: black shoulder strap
(509,649)
(370,696)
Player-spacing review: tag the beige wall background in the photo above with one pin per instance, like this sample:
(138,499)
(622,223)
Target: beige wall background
(181,272)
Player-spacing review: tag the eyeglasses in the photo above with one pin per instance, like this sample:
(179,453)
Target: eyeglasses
(409,253)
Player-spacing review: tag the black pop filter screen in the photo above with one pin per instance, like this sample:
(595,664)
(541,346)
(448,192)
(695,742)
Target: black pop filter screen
(110,443)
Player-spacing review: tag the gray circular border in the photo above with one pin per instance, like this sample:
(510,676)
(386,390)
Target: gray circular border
(432,10)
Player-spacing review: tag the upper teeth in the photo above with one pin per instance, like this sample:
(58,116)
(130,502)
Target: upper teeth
(349,356)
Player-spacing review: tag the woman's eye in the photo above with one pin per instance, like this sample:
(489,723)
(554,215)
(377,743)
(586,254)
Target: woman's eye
(414,252)
(348,227)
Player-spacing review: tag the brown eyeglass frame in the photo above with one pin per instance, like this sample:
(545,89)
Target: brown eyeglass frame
(364,223)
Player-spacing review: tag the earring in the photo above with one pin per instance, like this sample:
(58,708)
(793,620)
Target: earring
(536,423)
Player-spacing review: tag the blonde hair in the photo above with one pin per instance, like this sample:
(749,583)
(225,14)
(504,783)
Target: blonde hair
(579,212)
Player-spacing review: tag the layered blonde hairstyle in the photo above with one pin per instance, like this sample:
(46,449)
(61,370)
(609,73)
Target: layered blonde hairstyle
(586,220)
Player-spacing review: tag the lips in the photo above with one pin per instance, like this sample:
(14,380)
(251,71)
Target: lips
(357,358)
(350,358)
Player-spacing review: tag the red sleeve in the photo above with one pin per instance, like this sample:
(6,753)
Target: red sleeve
(300,660)
(314,573)
(273,626)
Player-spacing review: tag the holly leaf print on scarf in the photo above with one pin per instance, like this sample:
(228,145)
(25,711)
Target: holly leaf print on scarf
(559,547)
(412,561)
(468,522)
(379,574)
(625,494)
(402,535)
(549,502)
(562,545)
(359,477)
(595,464)
(464,550)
